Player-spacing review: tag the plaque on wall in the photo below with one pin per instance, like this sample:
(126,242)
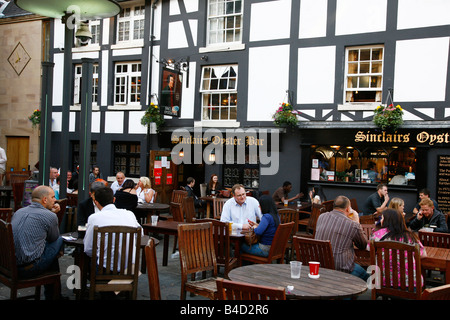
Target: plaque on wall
(443,183)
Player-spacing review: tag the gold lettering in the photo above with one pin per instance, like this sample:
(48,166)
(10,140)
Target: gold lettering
(360,136)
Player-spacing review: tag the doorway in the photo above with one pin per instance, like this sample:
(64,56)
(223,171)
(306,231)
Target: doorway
(17,152)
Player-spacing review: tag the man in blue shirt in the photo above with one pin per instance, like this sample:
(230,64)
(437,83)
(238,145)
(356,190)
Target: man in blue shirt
(240,208)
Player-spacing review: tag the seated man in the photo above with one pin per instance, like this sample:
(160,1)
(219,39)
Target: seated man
(87,207)
(108,215)
(240,209)
(120,178)
(282,193)
(37,241)
(424,194)
(190,190)
(377,201)
(341,226)
(429,216)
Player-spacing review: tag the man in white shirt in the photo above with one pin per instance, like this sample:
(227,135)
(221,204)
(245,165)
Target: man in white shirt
(109,215)
(3,160)
(240,209)
(120,179)
(52,178)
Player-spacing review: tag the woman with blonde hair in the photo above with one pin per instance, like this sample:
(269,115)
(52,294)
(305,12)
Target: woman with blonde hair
(398,204)
(144,190)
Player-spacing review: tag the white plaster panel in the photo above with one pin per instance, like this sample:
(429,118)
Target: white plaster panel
(427,111)
(188,94)
(104,84)
(177,35)
(421,69)
(85,54)
(105,31)
(422,13)
(313,19)
(276,25)
(409,116)
(95,122)
(134,123)
(360,16)
(193,24)
(114,122)
(58,76)
(72,121)
(127,52)
(174,8)
(316,75)
(191,5)
(56,121)
(268,69)
(58,34)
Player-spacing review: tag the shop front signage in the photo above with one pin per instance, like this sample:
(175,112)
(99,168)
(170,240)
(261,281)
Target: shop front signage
(420,138)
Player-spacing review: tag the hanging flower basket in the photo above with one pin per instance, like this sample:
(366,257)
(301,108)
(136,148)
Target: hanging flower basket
(153,114)
(286,116)
(388,117)
(35,118)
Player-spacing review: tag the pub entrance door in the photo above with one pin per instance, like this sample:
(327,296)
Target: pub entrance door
(163,175)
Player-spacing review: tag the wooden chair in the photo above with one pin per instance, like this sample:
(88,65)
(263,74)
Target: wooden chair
(8,269)
(189,209)
(328,205)
(392,257)
(222,247)
(316,211)
(435,239)
(120,247)
(19,178)
(288,215)
(367,219)
(354,204)
(18,190)
(178,196)
(152,270)
(177,215)
(62,205)
(362,257)
(72,200)
(233,290)
(303,221)
(14,173)
(314,250)
(437,293)
(278,247)
(6,214)
(218,207)
(197,254)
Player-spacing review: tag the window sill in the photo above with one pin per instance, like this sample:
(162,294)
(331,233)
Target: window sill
(222,47)
(371,106)
(88,48)
(217,123)
(125,107)
(128,44)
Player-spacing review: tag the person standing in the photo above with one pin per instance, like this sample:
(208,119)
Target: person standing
(3,160)
(95,174)
(37,241)
(240,209)
(341,226)
(377,201)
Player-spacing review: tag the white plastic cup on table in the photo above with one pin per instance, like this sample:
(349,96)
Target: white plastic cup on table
(154,220)
(296,267)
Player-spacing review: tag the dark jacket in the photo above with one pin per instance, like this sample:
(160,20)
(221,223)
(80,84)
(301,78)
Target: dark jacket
(85,209)
(437,219)
(197,202)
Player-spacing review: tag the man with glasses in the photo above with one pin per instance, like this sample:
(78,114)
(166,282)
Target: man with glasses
(240,209)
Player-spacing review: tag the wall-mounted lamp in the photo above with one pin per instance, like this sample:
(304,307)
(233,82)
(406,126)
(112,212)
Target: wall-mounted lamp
(181,154)
(212,156)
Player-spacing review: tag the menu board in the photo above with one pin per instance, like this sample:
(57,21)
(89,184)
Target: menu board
(443,183)
(28,189)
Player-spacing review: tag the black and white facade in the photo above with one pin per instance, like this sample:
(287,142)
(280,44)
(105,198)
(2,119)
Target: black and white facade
(333,60)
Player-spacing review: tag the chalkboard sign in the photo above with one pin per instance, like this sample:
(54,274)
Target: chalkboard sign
(443,183)
(28,189)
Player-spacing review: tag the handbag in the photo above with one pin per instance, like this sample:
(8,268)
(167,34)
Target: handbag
(250,237)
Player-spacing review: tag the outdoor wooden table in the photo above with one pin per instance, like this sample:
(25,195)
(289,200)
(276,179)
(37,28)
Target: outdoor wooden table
(150,209)
(167,228)
(305,206)
(81,259)
(437,259)
(5,196)
(209,200)
(331,284)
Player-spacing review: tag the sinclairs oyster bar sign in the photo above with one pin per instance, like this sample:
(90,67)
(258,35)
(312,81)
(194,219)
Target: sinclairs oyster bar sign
(423,137)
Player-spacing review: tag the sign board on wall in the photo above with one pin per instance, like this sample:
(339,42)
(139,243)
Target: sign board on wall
(443,183)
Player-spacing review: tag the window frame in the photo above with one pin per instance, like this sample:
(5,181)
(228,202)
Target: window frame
(78,81)
(128,35)
(217,17)
(128,84)
(127,155)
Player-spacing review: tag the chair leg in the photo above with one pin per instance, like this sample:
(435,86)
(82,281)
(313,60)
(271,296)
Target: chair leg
(175,241)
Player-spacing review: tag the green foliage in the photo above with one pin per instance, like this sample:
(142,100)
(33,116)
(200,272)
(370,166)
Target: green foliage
(286,115)
(389,117)
(153,114)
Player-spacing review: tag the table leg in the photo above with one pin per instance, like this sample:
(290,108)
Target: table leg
(447,272)
(166,249)
(208,209)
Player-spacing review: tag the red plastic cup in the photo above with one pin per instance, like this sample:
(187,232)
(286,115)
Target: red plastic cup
(314,268)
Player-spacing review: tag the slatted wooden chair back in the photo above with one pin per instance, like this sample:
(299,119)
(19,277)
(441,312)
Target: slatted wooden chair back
(368,229)
(222,247)
(6,214)
(176,208)
(8,269)
(189,209)
(316,211)
(196,247)
(367,219)
(399,269)
(354,204)
(218,204)
(178,196)
(288,215)
(314,250)
(435,239)
(72,199)
(152,270)
(328,205)
(233,290)
(437,293)
(115,259)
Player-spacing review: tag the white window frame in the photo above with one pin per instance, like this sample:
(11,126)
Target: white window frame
(359,74)
(95,28)
(217,26)
(132,16)
(223,95)
(77,85)
(128,93)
